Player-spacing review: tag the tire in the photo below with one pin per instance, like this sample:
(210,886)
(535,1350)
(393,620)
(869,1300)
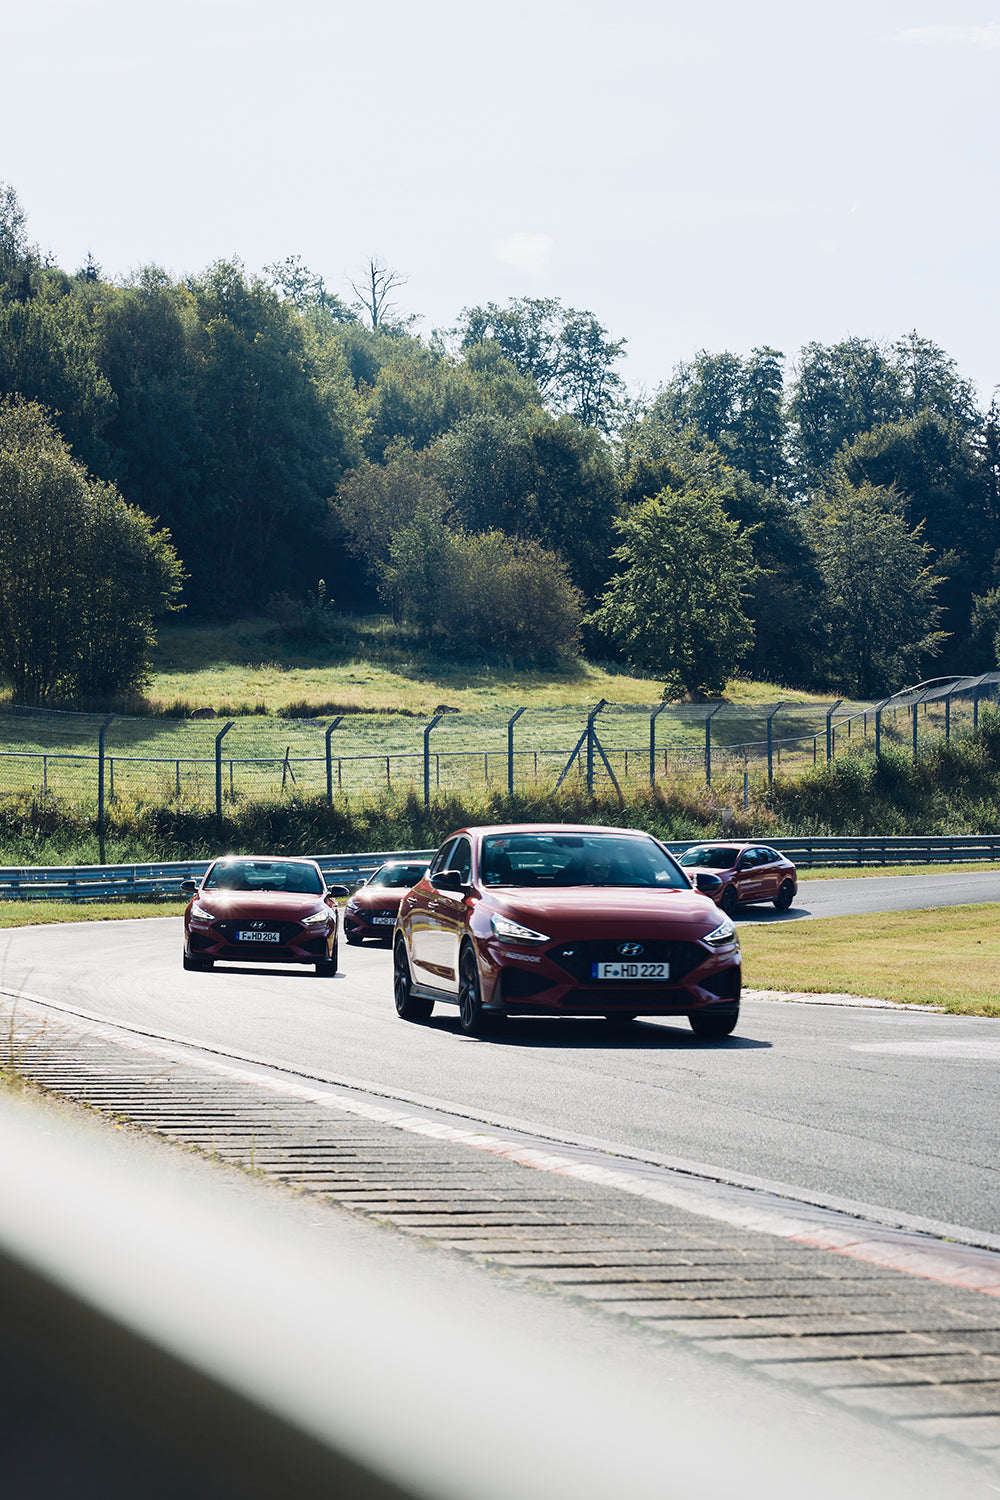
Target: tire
(325,969)
(197,965)
(409,1007)
(714,1023)
(354,938)
(472,1019)
(621,1018)
(728,901)
(785,896)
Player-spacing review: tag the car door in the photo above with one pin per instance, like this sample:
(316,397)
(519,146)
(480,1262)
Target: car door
(747,880)
(769,873)
(424,902)
(450,919)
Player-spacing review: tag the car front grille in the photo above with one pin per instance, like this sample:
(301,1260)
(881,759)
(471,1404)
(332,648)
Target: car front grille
(576,958)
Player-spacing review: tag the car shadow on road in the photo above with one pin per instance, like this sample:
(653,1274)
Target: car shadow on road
(758,914)
(601,1035)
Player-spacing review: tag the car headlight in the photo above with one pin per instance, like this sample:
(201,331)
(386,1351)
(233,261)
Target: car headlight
(202,913)
(513,932)
(352,905)
(721,936)
(314,918)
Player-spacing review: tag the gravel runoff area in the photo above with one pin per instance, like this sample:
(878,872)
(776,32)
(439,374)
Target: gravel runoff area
(812,1308)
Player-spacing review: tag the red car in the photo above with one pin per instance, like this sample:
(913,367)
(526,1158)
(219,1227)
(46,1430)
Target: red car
(563,920)
(371,911)
(255,909)
(738,874)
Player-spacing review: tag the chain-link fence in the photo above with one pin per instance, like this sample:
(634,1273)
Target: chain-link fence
(89,761)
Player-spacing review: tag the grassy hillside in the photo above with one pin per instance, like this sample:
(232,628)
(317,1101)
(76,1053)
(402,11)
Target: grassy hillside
(370,664)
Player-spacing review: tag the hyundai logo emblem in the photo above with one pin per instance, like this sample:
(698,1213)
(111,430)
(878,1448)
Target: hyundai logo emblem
(630,950)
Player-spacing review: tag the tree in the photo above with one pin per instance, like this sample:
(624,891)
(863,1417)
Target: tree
(306,291)
(377,286)
(880,587)
(942,482)
(676,604)
(566,352)
(535,477)
(737,403)
(838,393)
(485,592)
(82,574)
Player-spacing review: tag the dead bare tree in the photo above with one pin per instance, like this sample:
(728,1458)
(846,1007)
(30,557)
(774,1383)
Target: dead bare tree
(375,289)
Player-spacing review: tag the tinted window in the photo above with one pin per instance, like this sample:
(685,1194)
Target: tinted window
(398,876)
(556,859)
(461,859)
(265,875)
(440,860)
(711,859)
(768,856)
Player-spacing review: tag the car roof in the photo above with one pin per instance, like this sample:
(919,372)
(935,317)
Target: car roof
(481,830)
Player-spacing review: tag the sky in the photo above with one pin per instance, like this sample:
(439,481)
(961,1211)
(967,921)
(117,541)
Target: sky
(700,176)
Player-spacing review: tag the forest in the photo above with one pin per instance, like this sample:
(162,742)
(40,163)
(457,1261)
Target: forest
(825,518)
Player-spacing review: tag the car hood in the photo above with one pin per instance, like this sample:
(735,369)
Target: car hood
(259,906)
(608,911)
(381,896)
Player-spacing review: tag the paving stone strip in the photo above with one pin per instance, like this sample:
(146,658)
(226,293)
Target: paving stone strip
(916,1351)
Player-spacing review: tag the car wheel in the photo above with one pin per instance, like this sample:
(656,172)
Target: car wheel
(714,1023)
(472,1018)
(354,938)
(325,968)
(785,896)
(197,965)
(409,1007)
(728,901)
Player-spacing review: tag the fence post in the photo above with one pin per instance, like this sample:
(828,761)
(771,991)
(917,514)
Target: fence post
(708,744)
(329,760)
(878,732)
(915,728)
(829,727)
(510,750)
(218,768)
(590,744)
(427,758)
(975,706)
(100,787)
(652,742)
(947,717)
(770,743)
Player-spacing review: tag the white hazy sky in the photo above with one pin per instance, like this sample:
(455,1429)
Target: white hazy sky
(700,175)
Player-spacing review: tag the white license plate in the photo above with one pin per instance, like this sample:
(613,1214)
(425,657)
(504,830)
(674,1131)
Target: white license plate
(259,937)
(630,971)
(383,921)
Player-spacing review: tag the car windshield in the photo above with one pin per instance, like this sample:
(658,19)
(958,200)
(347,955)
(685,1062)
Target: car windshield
(712,859)
(265,875)
(402,876)
(563,859)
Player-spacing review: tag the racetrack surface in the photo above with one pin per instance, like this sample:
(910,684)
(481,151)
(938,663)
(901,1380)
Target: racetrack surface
(893,1110)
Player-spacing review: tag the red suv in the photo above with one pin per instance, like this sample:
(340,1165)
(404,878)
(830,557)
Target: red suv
(563,920)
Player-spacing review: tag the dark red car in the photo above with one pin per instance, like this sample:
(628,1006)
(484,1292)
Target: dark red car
(371,911)
(256,909)
(563,920)
(741,873)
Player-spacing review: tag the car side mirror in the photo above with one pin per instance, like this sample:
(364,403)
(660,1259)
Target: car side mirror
(337,890)
(707,884)
(450,880)
(189,887)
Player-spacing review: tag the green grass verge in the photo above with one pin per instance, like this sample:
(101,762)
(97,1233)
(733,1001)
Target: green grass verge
(37,913)
(853,872)
(947,956)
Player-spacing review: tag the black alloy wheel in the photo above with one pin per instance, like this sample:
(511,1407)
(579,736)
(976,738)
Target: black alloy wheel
(714,1023)
(785,896)
(728,901)
(472,1018)
(409,1007)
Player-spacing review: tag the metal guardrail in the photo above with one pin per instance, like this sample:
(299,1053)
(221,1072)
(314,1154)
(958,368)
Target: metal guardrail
(152,881)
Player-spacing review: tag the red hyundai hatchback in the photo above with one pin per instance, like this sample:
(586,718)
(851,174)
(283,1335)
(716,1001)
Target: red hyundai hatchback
(252,909)
(371,911)
(742,873)
(563,920)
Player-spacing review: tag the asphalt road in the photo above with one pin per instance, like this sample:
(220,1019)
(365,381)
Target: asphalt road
(872,893)
(893,1109)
